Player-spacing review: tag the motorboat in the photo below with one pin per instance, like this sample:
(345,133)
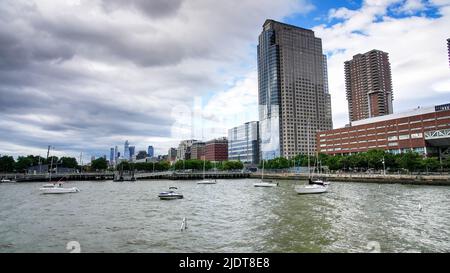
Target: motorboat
(57,188)
(6,180)
(310,189)
(207,182)
(170,195)
(265,184)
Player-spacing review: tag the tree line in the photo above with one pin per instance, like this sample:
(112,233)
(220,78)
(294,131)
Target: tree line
(9,164)
(374,160)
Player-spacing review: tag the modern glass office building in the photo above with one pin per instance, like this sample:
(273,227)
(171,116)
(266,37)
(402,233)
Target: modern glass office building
(150,151)
(294,102)
(243,143)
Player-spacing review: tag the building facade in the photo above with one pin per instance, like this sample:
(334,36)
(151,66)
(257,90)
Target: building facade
(216,149)
(184,149)
(111,157)
(126,150)
(243,143)
(423,130)
(150,151)
(448,49)
(368,85)
(198,150)
(292,90)
(172,154)
(132,153)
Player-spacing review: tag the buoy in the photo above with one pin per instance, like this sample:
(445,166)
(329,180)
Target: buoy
(183,224)
(420,207)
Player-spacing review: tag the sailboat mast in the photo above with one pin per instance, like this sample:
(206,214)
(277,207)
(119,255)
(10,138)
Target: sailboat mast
(204,163)
(262,174)
(309,168)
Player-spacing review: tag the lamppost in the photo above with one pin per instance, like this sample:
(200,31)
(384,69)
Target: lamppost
(384,166)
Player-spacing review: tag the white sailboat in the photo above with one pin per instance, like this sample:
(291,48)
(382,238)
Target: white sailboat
(206,181)
(313,186)
(56,188)
(263,183)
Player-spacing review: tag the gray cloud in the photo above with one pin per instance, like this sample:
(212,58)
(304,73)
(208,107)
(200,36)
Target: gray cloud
(86,75)
(152,8)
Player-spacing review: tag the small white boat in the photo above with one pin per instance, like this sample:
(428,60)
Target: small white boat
(207,182)
(6,180)
(265,184)
(309,189)
(170,195)
(53,188)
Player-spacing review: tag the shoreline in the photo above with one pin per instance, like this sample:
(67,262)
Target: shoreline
(432,180)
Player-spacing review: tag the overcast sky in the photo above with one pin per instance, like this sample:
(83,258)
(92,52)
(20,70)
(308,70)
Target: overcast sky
(84,76)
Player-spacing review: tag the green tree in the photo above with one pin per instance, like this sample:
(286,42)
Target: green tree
(232,165)
(69,162)
(334,163)
(99,164)
(7,163)
(431,164)
(410,161)
(375,158)
(23,163)
(192,164)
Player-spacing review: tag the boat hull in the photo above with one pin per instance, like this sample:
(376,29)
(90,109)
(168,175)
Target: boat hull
(170,196)
(59,190)
(310,189)
(206,182)
(265,184)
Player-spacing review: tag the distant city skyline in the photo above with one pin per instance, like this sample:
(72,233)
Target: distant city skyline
(72,90)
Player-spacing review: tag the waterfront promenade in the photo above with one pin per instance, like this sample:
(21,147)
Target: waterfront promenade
(415,179)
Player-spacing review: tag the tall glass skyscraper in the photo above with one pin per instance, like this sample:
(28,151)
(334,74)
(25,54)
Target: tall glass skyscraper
(126,150)
(243,143)
(150,151)
(111,156)
(132,151)
(294,102)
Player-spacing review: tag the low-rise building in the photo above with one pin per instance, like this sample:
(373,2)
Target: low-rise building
(217,149)
(243,143)
(423,130)
(198,150)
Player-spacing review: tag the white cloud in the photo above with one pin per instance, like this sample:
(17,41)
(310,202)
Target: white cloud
(416,47)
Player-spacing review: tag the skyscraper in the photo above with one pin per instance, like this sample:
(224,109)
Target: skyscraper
(150,151)
(368,85)
(111,157)
(126,150)
(132,151)
(116,153)
(293,90)
(243,143)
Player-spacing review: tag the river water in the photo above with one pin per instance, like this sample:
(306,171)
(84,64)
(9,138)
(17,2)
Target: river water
(230,216)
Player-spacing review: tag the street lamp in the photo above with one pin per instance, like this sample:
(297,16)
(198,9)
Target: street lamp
(384,166)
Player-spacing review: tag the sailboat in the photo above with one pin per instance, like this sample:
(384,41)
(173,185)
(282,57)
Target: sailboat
(206,181)
(262,183)
(56,188)
(312,187)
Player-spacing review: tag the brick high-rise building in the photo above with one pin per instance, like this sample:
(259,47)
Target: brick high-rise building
(216,149)
(448,48)
(293,90)
(368,85)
